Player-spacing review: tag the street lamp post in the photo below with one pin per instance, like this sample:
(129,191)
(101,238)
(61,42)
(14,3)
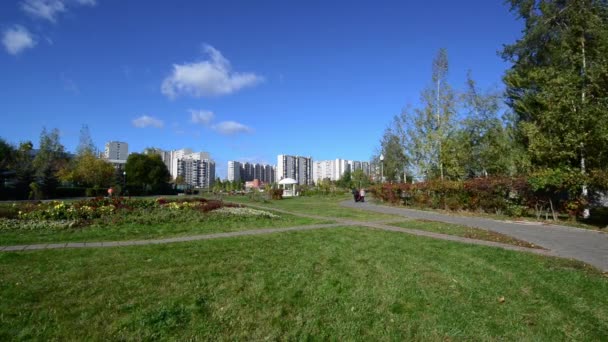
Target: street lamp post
(381,168)
(124,181)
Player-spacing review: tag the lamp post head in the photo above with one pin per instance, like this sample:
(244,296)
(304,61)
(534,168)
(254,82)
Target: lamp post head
(381,157)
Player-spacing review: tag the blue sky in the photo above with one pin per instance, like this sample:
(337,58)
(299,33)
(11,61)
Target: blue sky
(243,80)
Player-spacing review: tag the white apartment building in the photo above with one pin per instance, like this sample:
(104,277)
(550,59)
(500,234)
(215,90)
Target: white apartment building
(185,153)
(199,173)
(296,167)
(234,171)
(175,156)
(116,150)
(334,169)
(322,170)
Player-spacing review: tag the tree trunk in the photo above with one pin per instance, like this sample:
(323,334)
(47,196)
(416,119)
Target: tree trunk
(439,131)
(584,193)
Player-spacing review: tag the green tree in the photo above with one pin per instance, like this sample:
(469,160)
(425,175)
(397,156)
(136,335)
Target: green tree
(7,153)
(85,142)
(218,185)
(48,161)
(146,171)
(345,180)
(485,145)
(430,127)
(88,170)
(558,84)
(324,186)
(24,169)
(179,180)
(360,179)
(395,160)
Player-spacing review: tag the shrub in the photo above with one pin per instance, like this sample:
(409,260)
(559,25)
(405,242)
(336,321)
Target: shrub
(94,192)
(547,192)
(276,194)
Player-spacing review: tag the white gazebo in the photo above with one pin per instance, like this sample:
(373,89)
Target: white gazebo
(289,187)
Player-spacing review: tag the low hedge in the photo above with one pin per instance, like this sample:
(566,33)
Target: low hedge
(548,192)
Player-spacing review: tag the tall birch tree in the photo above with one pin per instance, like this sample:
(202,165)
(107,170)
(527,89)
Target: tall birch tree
(432,124)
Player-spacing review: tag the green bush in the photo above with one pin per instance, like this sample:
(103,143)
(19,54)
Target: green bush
(276,194)
(549,191)
(94,192)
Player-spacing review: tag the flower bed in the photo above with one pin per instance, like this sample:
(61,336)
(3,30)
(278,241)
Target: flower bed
(105,211)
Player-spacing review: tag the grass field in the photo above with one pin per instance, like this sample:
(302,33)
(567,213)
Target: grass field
(342,284)
(330,206)
(462,231)
(317,205)
(349,283)
(151,230)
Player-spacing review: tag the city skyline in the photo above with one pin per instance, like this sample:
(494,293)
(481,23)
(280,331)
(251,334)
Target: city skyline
(244,81)
(236,170)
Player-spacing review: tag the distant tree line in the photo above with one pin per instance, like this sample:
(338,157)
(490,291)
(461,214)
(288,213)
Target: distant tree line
(51,172)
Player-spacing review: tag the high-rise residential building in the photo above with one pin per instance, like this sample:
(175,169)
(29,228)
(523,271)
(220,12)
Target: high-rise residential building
(268,174)
(286,167)
(366,168)
(197,173)
(184,153)
(334,169)
(323,170)
(234,171)
(176,155)
(116,150)
(248,172)
(257,172)
(295,167)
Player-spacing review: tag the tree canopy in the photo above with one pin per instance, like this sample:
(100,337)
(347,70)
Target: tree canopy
(558,84)
(146,170)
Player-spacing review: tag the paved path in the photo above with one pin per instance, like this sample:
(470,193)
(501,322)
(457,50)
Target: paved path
(162,241)
(585,245)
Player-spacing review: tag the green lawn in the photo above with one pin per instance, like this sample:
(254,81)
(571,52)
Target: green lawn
(153,226)
(463,231)
(340,284)
(328,206)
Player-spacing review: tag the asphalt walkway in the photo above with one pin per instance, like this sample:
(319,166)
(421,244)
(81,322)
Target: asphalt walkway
(581,244)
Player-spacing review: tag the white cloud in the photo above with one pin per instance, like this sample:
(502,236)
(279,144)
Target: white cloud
(201,116)
(146,121)
(44,9)
(211,77)
(17,39)
(231,127)
(87,2)
(50,9)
